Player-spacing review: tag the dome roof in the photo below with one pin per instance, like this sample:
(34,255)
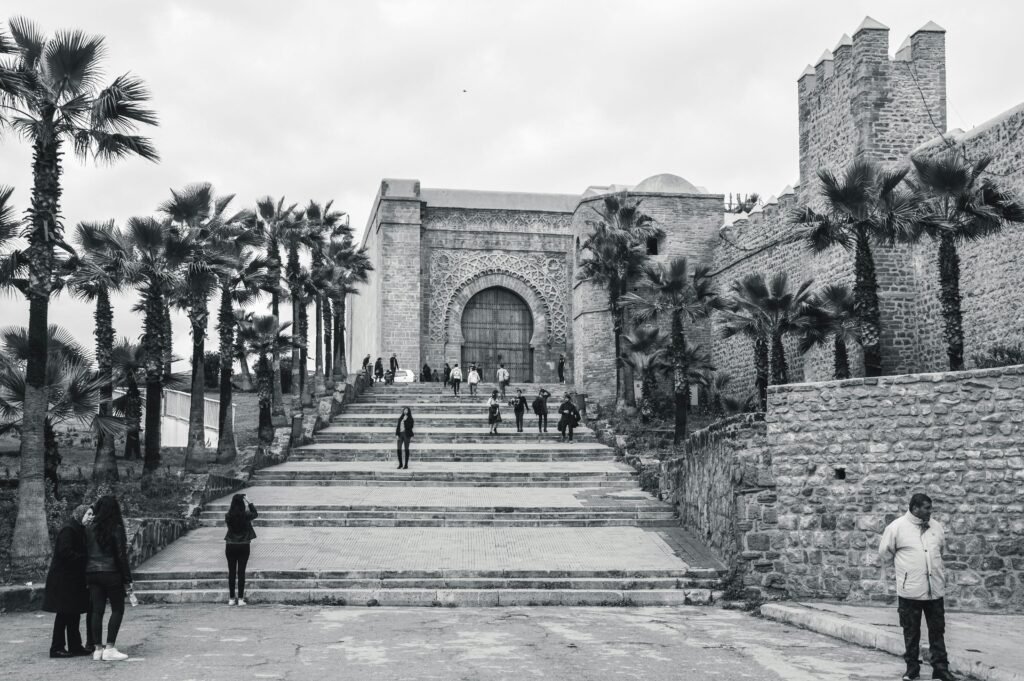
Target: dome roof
(666,183)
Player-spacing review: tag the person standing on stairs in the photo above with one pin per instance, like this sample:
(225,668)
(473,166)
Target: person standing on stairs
(236,548)
(561,369)
(503,379)
(455,379)
(403,431)
(474,378)
(393,363)
(493,412)
(447,375)
(519,409)
(107,574)
(540,408)
(378,370)
(569,417)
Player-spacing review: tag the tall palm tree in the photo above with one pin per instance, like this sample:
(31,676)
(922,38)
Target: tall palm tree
(865,203)
(105,266)
(262,336)
(767,312)
(959,205)
(161,257)
(241,284)
(645,354)
(241,353)
(50,96)
(325,224)
(831,314)
(351,268)
(615,256)
(687,299)
(203,227)
(296,237)
(128,361)
(272,220)
(695,368)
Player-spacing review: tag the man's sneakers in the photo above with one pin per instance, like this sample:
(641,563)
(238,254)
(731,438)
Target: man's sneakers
(111,654)
(241,601)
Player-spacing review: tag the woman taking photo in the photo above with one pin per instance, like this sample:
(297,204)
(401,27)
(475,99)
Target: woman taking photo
(66,593)
(404,433)
(493,412)
(239,519)
(107,575)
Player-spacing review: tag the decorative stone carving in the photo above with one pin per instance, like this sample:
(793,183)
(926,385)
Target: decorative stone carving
(497,220)
(546,274)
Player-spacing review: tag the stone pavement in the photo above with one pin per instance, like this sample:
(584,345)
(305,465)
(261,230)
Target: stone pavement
(987,646)
(304,643)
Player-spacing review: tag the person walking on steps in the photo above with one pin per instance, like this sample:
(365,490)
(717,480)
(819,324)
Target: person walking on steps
(393,363)
(455,379)
(913,544)
(447,375)
(426,376)
(378,370)
(474,378)
(569,417)
(561,369)
(240,534)
(66,593)
(367,369)
(540,408)
(107,574)
(518,404)
(403,431)
(493,412)
(503,379)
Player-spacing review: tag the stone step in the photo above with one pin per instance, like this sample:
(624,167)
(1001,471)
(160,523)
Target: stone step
(259,582)
(479,434)
(474,598)
(437,419)
(392,411)
(410,520)
(411,481)
(419,388)
(448,474)
(446,397)
(495,450)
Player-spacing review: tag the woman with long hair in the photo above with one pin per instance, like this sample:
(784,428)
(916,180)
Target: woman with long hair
(239,519)
(66,593)
(493,413)
(107,574)
(404,433)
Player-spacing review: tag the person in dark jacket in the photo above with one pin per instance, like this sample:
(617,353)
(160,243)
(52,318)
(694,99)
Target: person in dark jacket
(426,376)
(403,431)
(368,368)
(569,417)
(540,408)
(447,374)
(378,370)
(66,593)
(393,363)
(519,409)
(239,519)
(561,369)
(107,574)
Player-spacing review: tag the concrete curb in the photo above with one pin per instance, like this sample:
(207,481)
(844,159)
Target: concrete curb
(872,637)
(21,598)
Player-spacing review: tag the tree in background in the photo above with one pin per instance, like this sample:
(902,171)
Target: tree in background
(959,206)
(50,96)
(128,361)
(351,267)
(327,225)
(831,314)
(865,203)
(645,354)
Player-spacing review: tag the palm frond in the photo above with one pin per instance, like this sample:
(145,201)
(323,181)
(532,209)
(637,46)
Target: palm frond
(118,107)
(70,63)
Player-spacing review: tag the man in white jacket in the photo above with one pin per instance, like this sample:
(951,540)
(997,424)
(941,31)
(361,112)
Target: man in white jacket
(913,544)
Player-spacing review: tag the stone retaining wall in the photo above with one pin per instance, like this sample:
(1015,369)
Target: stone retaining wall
(149,535)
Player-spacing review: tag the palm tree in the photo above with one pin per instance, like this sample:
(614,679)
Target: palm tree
(262,336)
(272,220)
(204,229)
(49,95)
(240,285)
(686,299)
(831,313)
(694,368)
(296,236)
(326,225)
(645,354)
(351,267)
(959,206)
(865,203)
(766,312)
(128,361)
(241,353)
(615,257)
(105,266)
(160,256)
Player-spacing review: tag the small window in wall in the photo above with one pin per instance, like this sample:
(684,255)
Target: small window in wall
(652,245)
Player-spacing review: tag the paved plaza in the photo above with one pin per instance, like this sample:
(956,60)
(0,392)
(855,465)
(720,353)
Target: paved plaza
(301,643)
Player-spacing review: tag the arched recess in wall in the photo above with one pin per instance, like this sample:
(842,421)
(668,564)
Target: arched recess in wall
(521,287)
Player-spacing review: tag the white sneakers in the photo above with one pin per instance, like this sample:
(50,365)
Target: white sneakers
(241,601)
(109,654)
(232,601)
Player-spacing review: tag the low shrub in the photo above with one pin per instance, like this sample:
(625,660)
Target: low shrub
(999,356)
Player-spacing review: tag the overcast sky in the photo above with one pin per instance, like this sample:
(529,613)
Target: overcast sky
(323,99)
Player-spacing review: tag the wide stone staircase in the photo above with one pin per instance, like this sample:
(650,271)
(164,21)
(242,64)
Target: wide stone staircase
(476,519)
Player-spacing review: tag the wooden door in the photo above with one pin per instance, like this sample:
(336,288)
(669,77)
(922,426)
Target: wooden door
(497,327)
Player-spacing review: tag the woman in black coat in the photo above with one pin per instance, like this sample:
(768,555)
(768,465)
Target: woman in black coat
(66,593)
(403,431)
(378,370)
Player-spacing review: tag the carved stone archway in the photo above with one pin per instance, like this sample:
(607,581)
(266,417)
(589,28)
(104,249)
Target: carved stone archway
(520,286)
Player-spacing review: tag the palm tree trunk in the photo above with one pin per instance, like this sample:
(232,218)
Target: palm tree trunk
(104,467)
(277,409)
(761,371)
(340,367)
(328,343)
(245,382)
(865,297)
(153,347)
(679,378)
(132,419)
(841,368)
(167,338)
(196,460)
(620,394)
(30,545)
(682,413)
(318,376)
(305,384)
(647,396)
(226,450)
(296,351)
(949,296)
(264,387)
(780,369)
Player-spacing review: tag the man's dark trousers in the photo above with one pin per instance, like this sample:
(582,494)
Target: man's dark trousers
(542,423)
(910,611)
